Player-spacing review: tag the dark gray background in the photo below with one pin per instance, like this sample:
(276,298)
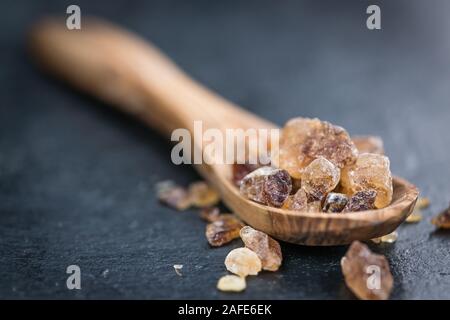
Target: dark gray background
(76,178)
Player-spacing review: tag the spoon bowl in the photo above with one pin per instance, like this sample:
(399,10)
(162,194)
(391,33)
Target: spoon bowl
(323,229)
(133,75)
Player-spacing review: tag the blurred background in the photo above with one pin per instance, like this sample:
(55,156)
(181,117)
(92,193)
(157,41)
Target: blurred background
(77,178)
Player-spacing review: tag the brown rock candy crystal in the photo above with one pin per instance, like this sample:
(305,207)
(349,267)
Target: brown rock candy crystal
(223,230)
(173,195)
(366,274)
(368,144)
(335,202)
(298,201)
(371,171)
(267,249)
(319,178)
(314,206)
(442,220)
(303,140)
(267,185)
(360,201)
(243,262)
(387,238)
(239,171)
(202,195)
(210,214)
(231,283)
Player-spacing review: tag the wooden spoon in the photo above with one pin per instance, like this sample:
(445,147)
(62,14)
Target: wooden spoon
(133,75)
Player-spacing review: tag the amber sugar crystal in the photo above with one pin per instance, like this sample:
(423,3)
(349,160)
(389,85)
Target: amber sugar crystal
(303,140)
(173,195)
(223,230)
(298,201)
(231,283)
(239,171)
(361,201)
(335,202)
(267,249)
(442,220)
(319,178)
(202,195)
(371,171)
(210,214)
(368,144)
(366,274)
(243,262)
(267,185)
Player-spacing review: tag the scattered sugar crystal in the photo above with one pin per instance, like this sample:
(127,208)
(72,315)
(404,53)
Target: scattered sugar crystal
(267,249)
(388,238)
(173,195)
(414,217)
(366,274)
(223,230)
(210,214)
(231,283)
(442,220)
(202,195)
(243,262)
(422,203)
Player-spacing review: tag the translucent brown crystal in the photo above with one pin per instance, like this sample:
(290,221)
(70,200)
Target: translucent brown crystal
(369,144)
(300,202)
(296,185)
(319,178)
(314,206)
(388,238)
(297,202)
(442,220)
(335,202)
(366,274)
(239,171)
(210,214)
(267,185)
(371,171)
(414,217)
(202,195)
(422,203)
(231,283)
(243,262)
(361,200)
(303,140)
(223,230)
(173,195)
(267,249)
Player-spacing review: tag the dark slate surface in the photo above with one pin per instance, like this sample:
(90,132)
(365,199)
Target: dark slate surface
(76,179)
